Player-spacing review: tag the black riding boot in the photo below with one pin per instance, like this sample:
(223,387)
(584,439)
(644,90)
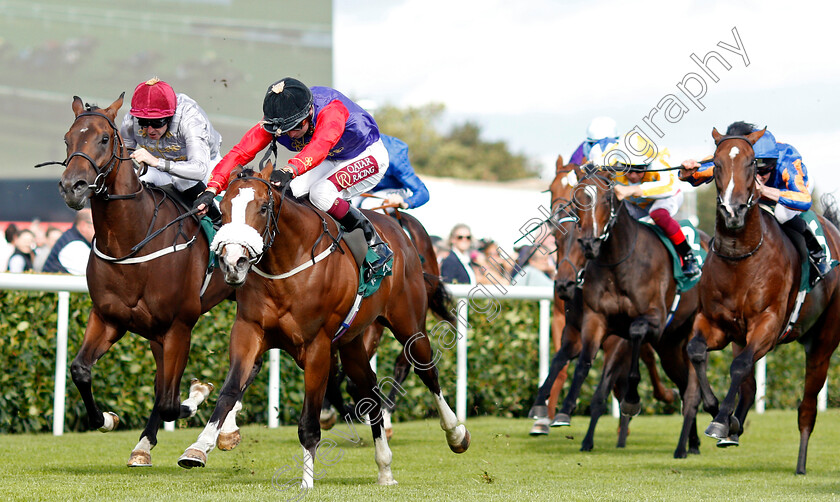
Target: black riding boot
(689,263)
(815,249)
(355,219)
(192,193)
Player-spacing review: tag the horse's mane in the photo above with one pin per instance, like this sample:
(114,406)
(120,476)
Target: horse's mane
(740,128)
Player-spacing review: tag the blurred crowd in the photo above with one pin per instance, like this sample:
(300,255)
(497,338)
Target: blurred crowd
(46,248)
(463,259)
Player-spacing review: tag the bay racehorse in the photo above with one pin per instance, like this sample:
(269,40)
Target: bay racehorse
(301,299)
(568,282)
(629,291)
(145,274)
(750,288)
(439,304)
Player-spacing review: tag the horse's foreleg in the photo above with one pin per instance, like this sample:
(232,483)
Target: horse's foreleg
(402,367)
(676,365)
(614,366)
(569,349)
(99,337)
(357,366)
(229,436)
(141,455)
(593,332)
(558,325)
(316,372)
(245,349)
(697,349)
(639,330)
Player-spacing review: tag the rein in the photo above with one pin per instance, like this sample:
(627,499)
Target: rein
(99,187)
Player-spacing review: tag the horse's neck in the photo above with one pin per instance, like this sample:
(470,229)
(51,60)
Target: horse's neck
(298,228)
(121,223)
(742,241)
(623,236)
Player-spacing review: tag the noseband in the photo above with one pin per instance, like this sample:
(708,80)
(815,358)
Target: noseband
(271,226)
(99,187)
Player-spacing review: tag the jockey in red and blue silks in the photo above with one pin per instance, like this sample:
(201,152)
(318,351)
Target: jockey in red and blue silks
(400,185)
(782,179)
(600,134)
(340,153)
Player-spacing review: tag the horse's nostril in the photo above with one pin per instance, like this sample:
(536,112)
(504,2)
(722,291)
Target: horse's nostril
(80,185)
(242,262)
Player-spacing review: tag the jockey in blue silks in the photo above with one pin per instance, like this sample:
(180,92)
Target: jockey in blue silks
(601,133)
(782,180)
(400,185)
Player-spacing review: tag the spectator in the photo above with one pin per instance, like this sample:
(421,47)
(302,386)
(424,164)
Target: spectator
(70,253)
(455,268)
(536,266)
(7,247)
(24,254)
(441,249)
(51,235)
(491,263)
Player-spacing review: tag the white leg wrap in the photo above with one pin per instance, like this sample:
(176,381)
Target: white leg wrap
(382,455)
(144,445)
(110,424)
(386,419)
(449,422)
(307,481)
(207,439)
(229,424)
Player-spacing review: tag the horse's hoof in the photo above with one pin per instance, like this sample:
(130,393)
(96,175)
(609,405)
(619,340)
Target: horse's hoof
(717,430)
(540,428)
(536,412)
(114,422)
(386,481)
(328,419)
(561,420)
(732,440)
(140,458)
(192,458)
(389,433)
(630,409)
(205,388)
(734,426)
(228,440)
(465,443)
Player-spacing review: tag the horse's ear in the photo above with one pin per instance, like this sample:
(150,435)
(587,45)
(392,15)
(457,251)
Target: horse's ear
(112,110)
(78,106)
(755,136)
(716,135)
(558,166)
(266,172)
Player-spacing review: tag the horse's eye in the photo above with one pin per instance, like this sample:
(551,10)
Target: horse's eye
(264,208)
(105,139)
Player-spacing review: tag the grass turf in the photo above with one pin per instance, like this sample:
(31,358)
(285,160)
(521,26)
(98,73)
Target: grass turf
(503,463)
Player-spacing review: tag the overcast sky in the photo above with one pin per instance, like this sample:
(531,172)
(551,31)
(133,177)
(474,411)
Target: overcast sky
(535,72)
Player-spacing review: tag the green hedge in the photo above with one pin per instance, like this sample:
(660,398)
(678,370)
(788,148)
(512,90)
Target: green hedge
(502,368)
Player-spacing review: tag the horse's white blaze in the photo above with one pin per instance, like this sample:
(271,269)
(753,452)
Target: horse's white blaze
(572,178)
(239,204)
(727,195)
(734,152)
(84,129)
(233,252)
(382,454)
(230,420)
(593,195)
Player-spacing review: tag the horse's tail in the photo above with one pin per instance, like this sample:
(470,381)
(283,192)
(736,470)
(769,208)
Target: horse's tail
(830,210)
(439,298)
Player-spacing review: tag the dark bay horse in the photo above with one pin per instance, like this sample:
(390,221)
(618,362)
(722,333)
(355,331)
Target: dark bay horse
(152,290)
(629,291)
(568,281)
(439,304)
(301,298)
(749,290)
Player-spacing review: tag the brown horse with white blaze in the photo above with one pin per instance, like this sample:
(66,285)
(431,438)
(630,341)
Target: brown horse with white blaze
(301,298)
(749,290)
(145,274)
